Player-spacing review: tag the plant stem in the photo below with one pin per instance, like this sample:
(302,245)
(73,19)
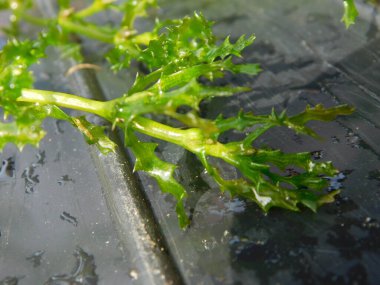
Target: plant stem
(95,7)
(191,139)
(32,19)
(87,30)
(103,109)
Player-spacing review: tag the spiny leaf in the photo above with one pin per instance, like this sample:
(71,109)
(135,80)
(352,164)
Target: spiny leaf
(134,9)
(350,13)
(19,135)
(167,81)
(268,195)
(15,59)
(301,159)
(190,41)
(248,68)
(94,134)
(147,161)
(161,102)
(320,113)
(297,122)
(119,58)
(227,49)
(183,42)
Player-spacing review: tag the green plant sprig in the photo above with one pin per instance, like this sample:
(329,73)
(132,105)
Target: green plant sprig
(178,54)
(350,13)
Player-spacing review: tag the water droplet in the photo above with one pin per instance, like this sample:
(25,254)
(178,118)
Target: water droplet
(58,157)
(226,236)
(14,5)
(318,154)
(7,168)
(235,205)
(64,179)
(31,180)
(353,139)
(335,140)
(298,139)
(336,181)
(234,240)
(36,258)
(13,18)
(133,274)
(58,126)
(209,244)
(10,280)
(82,274)
(275,259)
(370,223)
(290,172)
(374,175)
(65,216)
(41,156)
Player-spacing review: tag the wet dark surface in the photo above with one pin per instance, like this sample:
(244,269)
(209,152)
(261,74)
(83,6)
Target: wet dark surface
(47,196)
(55,226)
(82,273)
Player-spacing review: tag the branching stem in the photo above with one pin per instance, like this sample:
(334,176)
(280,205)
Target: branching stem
(191,139)
(66,100)
(85,29)
(95,7)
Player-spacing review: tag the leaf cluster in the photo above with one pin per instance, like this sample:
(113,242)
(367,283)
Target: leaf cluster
(183,57)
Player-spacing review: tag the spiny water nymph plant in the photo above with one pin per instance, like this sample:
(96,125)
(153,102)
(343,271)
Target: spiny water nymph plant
(182,58)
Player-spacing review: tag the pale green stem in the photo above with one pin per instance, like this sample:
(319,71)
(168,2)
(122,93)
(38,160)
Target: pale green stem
(191,139)
(32,19)
(89,31)
(95,7)
(68,101)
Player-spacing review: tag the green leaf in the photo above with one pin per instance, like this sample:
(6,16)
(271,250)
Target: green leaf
(268,195)
(190,41)
(297,122)
(350,13)
(4,4)
(94,134)
(71,50)
(181,42)
(19,135)
(135,9)
(249,68)
(227,49)
(17,8)
(64,4)
(15,59)
(120,57)
(147,161)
